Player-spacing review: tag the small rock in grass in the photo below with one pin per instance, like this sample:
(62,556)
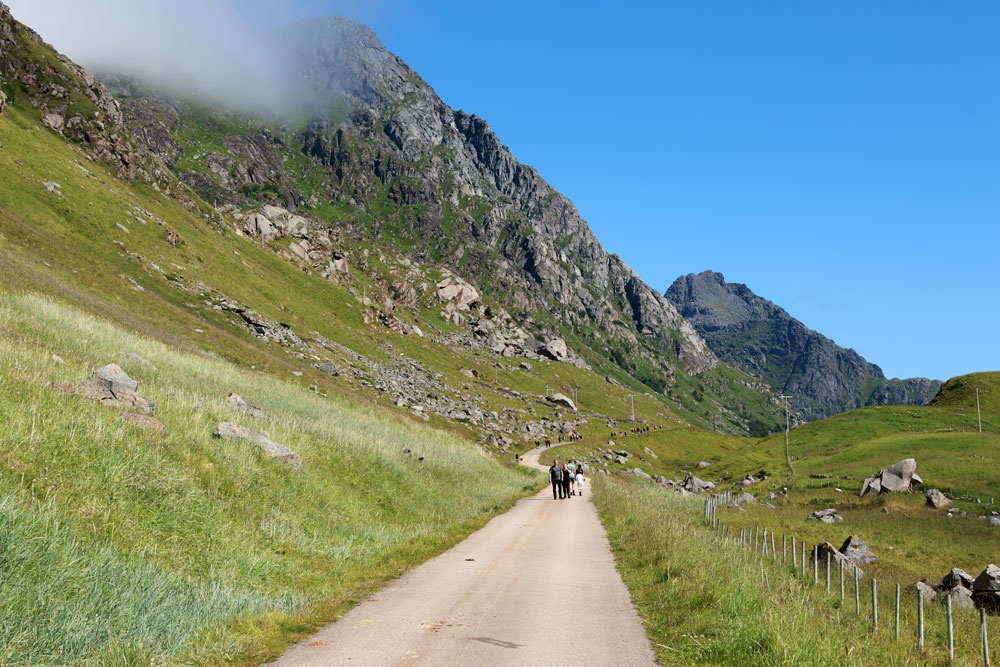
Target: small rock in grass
(144,422)
(57,359)
(269,447)
(141,360)
(111,386)
(236,402)
(826,516)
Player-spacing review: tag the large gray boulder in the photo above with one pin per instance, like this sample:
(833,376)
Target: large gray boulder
(695,485)
(961,597)
(268,447)
(901,476)
(111,386)
(563,400)
(556,349)
(836,558)
(857,551)
(957,578)
(986,589)
(936,499)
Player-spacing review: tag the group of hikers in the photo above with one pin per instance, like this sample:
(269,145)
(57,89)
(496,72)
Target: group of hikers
(563,477)
(559,438)
(638,430)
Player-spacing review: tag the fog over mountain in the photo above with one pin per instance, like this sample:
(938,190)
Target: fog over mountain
(219,48)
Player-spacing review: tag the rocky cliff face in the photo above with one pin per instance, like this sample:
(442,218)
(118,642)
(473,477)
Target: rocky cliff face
(71,101)
(760,338)
(385,156)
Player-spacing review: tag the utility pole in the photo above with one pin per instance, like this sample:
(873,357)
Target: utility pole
(978,413)
(788,453)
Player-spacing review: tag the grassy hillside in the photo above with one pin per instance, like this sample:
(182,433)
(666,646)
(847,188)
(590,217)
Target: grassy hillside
(706,601)
(120,543)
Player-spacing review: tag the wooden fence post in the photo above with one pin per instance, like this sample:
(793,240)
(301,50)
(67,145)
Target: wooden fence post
(920,619)
(803,561)
(784,549)
(774,554)
(857,594)
(827,572)
(951,628)
(816,565)
(897,611)
(841,583)
(874,605)
(795,555)
(986,644)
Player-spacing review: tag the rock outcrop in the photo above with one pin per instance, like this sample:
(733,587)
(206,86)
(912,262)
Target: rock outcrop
(857,551)
(825,516)
(759,337)
(900,476)
(439,182)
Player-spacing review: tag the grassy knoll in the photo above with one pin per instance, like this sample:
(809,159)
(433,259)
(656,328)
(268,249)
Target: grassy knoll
(705,601)
(120,545)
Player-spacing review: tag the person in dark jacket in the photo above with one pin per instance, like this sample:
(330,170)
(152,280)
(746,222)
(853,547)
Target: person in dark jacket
(567,481)
(556,476)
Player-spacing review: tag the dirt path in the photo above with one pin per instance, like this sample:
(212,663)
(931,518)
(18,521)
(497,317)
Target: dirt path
(535,586)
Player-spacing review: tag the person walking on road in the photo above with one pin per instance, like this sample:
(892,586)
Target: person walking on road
(555,476)
(567,481)
(579,481)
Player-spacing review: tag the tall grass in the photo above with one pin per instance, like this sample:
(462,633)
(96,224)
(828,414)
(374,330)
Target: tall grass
(118,542)
(708,601)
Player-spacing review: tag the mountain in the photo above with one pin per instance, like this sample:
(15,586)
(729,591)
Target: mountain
(762,339)
(386,158)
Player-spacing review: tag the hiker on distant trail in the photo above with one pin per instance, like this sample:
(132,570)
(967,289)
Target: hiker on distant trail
(555,475)
(579,481)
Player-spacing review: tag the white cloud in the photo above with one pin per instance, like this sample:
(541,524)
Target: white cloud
(222,48)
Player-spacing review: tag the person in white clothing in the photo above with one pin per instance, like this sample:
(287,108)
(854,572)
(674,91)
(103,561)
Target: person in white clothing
(579,481)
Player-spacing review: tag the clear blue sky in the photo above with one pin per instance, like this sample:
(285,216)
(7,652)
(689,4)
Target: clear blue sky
(840,157)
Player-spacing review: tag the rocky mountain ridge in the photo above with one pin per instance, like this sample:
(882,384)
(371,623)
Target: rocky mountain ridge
(390,159)
(762,339)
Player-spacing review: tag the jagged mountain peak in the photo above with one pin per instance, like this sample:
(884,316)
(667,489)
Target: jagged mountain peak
(759,337)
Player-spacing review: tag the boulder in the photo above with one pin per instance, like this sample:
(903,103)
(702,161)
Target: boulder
(995,520)
(925,588)
(826,516)
(836,558)
(650,453)
(329,369)
(936,499)
(901,476)
(734,506)
(986,589)
(262,227)
(639,472)
(556,349)
(144,422)
(563,400)
(111,386)
(961,597)
(3,102)
(857,551)
(957,578)
(236,402)
(695,485)
(745,499)
(268,447)
(704,464)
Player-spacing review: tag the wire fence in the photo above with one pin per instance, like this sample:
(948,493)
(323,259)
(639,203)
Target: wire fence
(824,568)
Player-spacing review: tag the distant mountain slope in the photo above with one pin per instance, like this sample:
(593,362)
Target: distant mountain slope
(762,339)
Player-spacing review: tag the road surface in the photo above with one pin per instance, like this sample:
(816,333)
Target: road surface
(535,586)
